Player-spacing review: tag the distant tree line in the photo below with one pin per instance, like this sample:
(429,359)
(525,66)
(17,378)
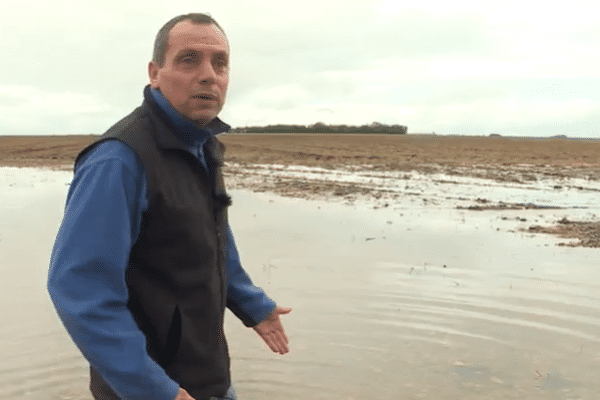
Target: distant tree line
(320,127)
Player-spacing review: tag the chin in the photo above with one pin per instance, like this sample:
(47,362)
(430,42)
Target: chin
(202,119)
(200,116)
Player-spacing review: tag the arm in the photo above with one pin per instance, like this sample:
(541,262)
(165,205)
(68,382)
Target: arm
(87,272)
(250,303)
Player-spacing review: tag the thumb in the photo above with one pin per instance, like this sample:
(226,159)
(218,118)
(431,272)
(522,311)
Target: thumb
(283,311)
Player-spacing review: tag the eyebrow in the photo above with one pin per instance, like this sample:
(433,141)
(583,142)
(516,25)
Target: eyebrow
(222,54)
(219,54)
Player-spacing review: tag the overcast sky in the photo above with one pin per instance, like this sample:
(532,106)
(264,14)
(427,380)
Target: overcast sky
(518,68)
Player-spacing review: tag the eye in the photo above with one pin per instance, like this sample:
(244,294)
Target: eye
(188,59)
(221,63)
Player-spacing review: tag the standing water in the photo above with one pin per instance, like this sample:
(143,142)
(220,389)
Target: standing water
(417,304)
(406,303)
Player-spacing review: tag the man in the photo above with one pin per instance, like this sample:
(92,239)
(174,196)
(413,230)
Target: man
(144,262)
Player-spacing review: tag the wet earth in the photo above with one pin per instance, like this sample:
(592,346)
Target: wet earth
(383,168)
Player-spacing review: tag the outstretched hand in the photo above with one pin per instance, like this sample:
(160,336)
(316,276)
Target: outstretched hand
(272,332)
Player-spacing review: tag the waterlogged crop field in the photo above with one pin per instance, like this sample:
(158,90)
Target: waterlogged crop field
(389,169)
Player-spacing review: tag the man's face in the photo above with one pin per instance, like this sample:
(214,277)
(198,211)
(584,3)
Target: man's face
(195,72)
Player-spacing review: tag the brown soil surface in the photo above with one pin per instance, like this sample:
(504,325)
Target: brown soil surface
(485,157)
(586,233)
(556,157)
(57,152)
(517,160)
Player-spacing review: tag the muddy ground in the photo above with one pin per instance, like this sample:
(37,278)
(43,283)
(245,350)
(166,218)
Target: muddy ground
(512,160)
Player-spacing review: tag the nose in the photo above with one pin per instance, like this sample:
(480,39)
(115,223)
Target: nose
(206,73)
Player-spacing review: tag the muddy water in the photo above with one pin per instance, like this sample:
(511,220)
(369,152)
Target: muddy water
(410,303)
(37,360)
(435,304)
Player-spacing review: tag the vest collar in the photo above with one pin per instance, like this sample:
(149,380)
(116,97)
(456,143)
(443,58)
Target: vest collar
(183,134)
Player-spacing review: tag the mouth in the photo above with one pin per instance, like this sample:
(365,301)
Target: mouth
(205,96)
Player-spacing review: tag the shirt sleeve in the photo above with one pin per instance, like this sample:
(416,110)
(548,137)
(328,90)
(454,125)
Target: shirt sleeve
(247,301)
(87,272)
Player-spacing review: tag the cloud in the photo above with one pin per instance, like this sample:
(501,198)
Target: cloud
(536,117)
(453,67)
(351,113)
(29,110)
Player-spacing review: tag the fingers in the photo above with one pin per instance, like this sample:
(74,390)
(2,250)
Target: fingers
(272,332)
(275,337)
(282,342)
(272,344)
(280,333)
(277,341)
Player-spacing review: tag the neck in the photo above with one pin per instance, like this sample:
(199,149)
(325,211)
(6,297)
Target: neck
(214,126)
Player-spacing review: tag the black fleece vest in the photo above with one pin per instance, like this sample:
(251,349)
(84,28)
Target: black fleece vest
(176,273)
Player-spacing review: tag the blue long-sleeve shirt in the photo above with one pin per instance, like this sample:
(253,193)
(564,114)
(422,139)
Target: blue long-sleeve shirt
(102,220)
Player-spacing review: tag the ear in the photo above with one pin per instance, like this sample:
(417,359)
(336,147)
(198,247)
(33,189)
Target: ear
(153,74)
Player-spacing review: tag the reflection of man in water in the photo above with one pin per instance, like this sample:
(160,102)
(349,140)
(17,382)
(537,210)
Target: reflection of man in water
(145,263)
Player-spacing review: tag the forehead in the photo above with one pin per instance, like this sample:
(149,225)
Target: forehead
(187,34)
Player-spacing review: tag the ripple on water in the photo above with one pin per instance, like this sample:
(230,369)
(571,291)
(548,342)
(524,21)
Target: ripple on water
(39,363)
(51,380)
(382,327)
(364,326)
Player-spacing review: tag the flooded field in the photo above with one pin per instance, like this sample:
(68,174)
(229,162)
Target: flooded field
(413,300)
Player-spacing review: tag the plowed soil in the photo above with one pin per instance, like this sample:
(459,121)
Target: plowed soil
(505,159)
